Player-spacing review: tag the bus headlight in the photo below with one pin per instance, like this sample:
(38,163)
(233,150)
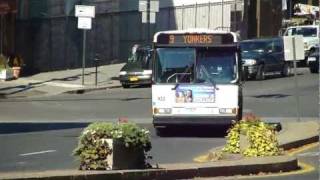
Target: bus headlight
(228,110)
(249,62)
(162,111)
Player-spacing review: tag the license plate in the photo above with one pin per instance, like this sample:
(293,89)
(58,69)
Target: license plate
(133,78)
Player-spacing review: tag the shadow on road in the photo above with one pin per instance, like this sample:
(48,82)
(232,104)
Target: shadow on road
(12,128)
(272,96)
(205,132)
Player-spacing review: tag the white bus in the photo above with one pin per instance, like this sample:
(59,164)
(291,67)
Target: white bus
(196,78)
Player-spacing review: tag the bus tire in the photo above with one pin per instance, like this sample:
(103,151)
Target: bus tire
(160,132)
(261,73)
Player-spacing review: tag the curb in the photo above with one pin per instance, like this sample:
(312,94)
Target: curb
(85,90)
(299,143)
(174,171)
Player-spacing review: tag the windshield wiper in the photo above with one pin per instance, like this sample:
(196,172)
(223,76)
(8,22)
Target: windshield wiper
(212,82)
(183,75)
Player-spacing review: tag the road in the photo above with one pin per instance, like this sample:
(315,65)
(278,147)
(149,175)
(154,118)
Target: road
(45,144)
(52,149)
(273,98)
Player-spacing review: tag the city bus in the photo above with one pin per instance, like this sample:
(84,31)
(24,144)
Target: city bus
(196,78)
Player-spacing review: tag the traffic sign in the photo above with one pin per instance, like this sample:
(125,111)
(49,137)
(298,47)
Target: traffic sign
(143,5)
(85,11)
(84,23)
(293,48)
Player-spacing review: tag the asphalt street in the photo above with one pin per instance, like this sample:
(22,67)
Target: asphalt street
(273,98)
(52,150)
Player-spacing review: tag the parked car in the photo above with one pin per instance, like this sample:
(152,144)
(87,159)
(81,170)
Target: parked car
(313,60)
(138,69)
(262,57)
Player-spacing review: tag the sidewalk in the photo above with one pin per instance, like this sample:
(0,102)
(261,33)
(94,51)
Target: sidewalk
(57,82)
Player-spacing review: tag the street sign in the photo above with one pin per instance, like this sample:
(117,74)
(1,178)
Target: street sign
(144,17)
(154,6)
(85,11)
(143,5)
(84,23)
(293,48)
(152,17)
(85,15)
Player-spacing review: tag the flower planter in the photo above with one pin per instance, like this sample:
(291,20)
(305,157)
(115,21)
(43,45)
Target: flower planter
(244,142)
(16,72)
(126,158)
(6,74)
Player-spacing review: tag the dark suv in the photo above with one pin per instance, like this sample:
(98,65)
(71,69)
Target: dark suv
(138,69)
(262,57)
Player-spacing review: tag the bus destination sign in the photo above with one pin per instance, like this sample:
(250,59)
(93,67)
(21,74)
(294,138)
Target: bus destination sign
(194,39)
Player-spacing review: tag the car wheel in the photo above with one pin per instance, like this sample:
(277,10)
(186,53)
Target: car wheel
(261,73)
(286,71)
(125,86)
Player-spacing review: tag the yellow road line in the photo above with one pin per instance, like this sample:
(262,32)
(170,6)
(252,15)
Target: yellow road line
(303,148)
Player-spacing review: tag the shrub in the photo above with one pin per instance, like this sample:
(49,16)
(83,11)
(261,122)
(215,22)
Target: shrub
(93,148)
(261,137)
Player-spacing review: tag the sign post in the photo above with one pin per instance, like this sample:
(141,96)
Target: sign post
(294,51)
(85,15)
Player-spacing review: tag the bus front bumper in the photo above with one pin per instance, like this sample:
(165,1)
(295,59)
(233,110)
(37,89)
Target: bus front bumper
(163,121)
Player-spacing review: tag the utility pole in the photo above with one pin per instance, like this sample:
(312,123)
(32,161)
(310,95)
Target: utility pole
(258,17)
(148,21)
(222,4)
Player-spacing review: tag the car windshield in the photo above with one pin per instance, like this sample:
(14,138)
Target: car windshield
(141,59)
(253,46)
(176,65)
(305,32)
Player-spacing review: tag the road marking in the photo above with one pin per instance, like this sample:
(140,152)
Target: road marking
(309,154)
(36,153)
(303,148)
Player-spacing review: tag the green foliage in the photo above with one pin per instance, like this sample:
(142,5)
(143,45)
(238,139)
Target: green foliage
(3,62)
(261,136)
(93,148)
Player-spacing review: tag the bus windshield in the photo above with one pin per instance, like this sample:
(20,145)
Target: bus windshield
(191,65)
(217,66)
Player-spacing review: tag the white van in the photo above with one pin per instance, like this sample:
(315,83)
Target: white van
(310,35)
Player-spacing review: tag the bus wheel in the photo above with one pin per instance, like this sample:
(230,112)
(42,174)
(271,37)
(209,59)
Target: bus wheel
(161,132)
(260,74)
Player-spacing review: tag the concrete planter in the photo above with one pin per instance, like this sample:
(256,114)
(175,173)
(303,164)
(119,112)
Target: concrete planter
(6,74)
(244,142)
(125,158)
